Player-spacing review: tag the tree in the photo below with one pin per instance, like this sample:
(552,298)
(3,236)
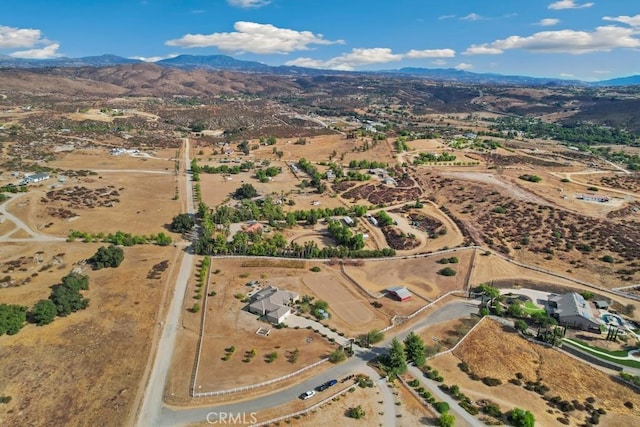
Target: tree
(515,310)
(447,271)
(489,291)
(446,420)
(357,412)
(43,312)
(521,325)
(414,347)
(521,418)
(337,355)
(12,318)
(245,191)
(543,320)
(182,223)
(111,256)
(396,362)
(374,336)
(67,297)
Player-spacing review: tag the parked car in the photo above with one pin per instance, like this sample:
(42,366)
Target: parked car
(307,395)
(326,385)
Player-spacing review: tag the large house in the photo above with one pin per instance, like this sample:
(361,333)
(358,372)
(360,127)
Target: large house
(572,310)
(273,303)
(32,179)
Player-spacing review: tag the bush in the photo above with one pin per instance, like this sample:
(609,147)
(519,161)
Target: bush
(357,412)
(447,271)
(441,407)
(111,256)
(315,269)
(491,382)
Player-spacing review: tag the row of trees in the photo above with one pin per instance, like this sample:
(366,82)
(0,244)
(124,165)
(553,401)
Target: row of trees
(433,157)
(120,238)
(312,171)
(65,299)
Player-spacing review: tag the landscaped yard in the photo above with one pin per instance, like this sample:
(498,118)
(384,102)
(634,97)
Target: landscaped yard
(530,308)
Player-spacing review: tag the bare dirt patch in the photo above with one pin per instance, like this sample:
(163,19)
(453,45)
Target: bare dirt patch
(343,304)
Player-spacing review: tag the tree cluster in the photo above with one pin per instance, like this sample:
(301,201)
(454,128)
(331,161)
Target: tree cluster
(107,256)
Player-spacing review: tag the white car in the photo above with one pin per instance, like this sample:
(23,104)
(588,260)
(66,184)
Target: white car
(307,395)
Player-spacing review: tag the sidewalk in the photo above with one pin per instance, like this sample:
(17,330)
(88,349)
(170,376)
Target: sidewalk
(294,320)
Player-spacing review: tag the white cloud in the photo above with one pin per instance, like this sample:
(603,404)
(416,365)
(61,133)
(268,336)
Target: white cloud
(46,52)
(566,75)
(443,17)
(634,21)
(348,61)
(11,38)
(602,39)
(601,72)
(431,53)
(548,22)
(484,49)
(366,56)
(153,58)
(246,4)
(472,17)
(439,62)
(255,38)
(463,66)
(568,4)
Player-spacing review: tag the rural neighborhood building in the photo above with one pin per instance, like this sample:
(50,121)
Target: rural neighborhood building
(573,310)
(348,221)
(594,198)
(253,228)
(273,303)
(35,178)
(400,292)
(601,304)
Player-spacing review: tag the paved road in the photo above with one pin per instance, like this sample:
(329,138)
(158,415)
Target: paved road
(357,363)
(153,397)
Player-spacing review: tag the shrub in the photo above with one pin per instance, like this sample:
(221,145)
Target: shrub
(315,269)
(447,271)
(356,413)
(441,407)
(491,382)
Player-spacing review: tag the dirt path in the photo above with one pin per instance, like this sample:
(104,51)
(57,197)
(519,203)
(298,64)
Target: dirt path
(34,236)
(491,179)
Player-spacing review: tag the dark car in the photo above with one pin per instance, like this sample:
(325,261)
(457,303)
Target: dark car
(326,385)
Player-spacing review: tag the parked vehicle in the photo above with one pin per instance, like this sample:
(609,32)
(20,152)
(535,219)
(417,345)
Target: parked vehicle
(307,395)
(323,387)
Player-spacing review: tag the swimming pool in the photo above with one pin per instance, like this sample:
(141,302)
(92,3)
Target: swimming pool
(609,318)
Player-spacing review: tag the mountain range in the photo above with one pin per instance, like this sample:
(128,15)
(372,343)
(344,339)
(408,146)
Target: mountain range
(223,62)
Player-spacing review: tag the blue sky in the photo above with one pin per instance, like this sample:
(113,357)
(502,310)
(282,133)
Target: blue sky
(589,40)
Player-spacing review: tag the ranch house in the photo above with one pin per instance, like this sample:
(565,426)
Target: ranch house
(273,303)
(572,310)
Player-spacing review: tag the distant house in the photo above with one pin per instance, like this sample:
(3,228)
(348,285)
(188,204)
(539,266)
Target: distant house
(594,198)
(253,228)
(273,303)
(573,310)
(400,293)
(390,181)
(35,178)
(601,304)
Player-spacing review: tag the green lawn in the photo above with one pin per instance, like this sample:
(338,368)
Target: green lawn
(619,353)
(531,308)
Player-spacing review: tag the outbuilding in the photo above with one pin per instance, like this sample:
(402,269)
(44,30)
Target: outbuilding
(400,293)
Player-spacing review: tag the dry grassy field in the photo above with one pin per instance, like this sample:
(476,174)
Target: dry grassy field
(84,363)
(491,351)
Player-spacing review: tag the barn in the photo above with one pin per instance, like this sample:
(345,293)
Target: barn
(400,293)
